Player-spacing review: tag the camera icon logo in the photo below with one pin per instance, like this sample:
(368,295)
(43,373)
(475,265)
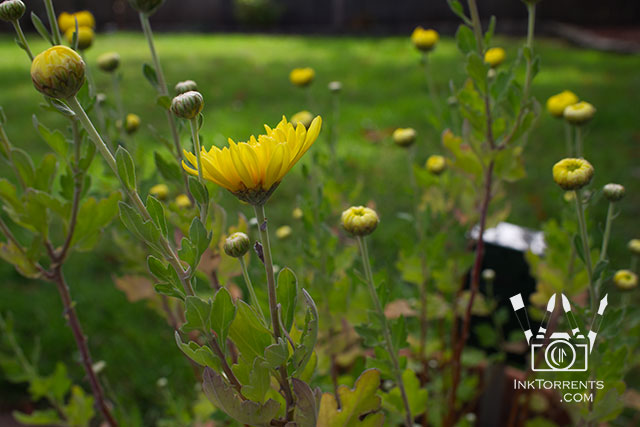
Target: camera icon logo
(560,351)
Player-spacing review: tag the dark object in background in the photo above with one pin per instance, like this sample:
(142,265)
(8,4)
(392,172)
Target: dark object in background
(257,14)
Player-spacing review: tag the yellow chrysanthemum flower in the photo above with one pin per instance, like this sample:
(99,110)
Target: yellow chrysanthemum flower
(67,21)
(302,76)
(557,103)
(436,164)
(495,56)
(424,40)
(252,170)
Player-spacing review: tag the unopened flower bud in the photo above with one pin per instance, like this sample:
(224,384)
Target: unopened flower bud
(297,213)
(404,137)
(452,101)
(625,280)
(436,164)
(557,103)
(302,76)
(183,201)
(572,174)
(424,40)
(491,74)
(569,196)
(131,123)
(495,56)
(58,72)
(159,191)
(613,192)
(303,117)
(237,245)
(85,37)
(488,275)
(360,220)
(146,6)
(185,86)
(162,382)
(188,105)
(335,86)
(634,246)
(109,62)
(284,232)
(579,113)
(12,10)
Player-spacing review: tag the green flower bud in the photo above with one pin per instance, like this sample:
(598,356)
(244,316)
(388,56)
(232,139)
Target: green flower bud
(185,86)
(359,220)
(625,280)
(436,164)
(12,10)
(579,113)
(237,245)
(146,6)
(188,105)
(613,192)
(58,72)
(109,62)
(634,246)
(404,137)
(335,86)
(131,123)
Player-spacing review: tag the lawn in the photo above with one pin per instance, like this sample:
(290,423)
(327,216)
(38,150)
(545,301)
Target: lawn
(244,80)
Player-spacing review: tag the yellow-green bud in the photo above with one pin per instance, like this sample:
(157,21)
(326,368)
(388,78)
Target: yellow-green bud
(424,40)
(488,275)
(572,174)
(237,245)
(557,103)
(495,56)
(303,117)
(109,62)
(579,113)
(625,280)
(58,72)
(634,246)
(436,164)
(131,123)
(302,76)
(335,86)
(284,232)
(183,201)
(404,137)
(160,191)
(613,192)
(297,213)
(12,10)
(146,6)
(85,37)
(360,220)
(188,105)
(185,86)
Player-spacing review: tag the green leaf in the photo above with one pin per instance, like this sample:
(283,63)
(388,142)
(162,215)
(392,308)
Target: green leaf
(197,314)
(25,166)
(79,409)
(17,257)
(169,170)
(45,173)
(126,168)
(150,74)
(399,333)
(156,210)
(40,28)
(169,290)
(248,333)
(54,139)
(457,8)
(164,101)
(198,191)
(477,70)
(359,406)
(276,354)
(259,382)
(465,39)
(222,314)
(93,217)
(144,230)
(491,29)
(45,417)
(309,337)
(202,355)
(416,395)
(306,412)
(227,399)
(199,237)
(287,294)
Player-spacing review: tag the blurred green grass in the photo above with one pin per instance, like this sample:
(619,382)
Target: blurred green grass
(244,79)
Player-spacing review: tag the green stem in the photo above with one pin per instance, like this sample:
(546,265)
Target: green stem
(605,243)
(568,138)
(53,23)
(22,38)
(273,302)
(364,252)
(634,263)
(579,152)
(252,292)
(585,246)
(531,8)
(4,138)
(193,124)
(133,194)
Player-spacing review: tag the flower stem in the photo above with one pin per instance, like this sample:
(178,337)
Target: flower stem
(364,252)
(22,38)
(193,124)
(568,138)
(93,134)
(605,243)
(579,152)
(252,292)
(53,23)
(585,246)
(273,303)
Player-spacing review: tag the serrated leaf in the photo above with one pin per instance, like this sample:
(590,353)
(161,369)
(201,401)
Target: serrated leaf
(197,314)
(416,395)
(202,355)
(276,354)
(259,382)
(306,411)
(17,257)
(54,139)
(227,399)
(359,406)
(144,230)
(222,314)
(309,336)
(45,173)
(93,216)
(24,165)
(126,167)
(45,417)
(287,294)
(248,333)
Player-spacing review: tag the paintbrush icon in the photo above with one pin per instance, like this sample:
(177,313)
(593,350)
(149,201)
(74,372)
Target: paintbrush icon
(551,304)
(521,314)
(566,305)
(597,318)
